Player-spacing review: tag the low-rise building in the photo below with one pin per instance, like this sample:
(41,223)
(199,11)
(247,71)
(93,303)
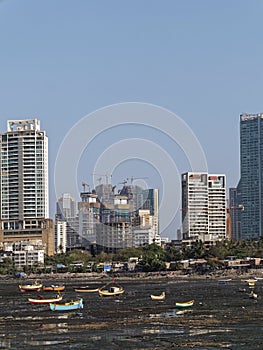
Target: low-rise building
(25,253)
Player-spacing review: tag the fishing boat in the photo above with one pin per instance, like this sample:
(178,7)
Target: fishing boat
(86,290)
(71,305)
(252,295)
(182,312)
(30,287)
(158,297)
(251,283)
(40,300)
(110,291)
(224,281)
(53,288)
(185,304)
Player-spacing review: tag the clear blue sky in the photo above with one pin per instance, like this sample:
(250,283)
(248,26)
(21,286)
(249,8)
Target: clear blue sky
(61,60)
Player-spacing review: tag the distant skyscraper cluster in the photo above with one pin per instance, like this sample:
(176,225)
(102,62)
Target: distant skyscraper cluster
(107,221)
(103,220)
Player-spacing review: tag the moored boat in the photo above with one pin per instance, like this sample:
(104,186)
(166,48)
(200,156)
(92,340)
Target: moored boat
(53,288)
(40,300)
(185,304)
(86,290)
(110,291)
(30,287)
(252,295)
(71,305)
(158,297)
(182,312)
(224,281)
(251,284)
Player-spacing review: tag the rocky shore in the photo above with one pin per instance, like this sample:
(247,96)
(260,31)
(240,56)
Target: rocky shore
(220,274)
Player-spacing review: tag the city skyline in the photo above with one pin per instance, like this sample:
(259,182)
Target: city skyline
(200,60)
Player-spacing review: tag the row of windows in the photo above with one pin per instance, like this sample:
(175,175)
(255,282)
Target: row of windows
(24,233)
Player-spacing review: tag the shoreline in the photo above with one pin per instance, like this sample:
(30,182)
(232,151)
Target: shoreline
(160,275)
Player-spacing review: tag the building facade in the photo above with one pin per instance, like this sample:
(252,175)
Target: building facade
(121,219)
(24,209)
(235,211)
(143,229)
(24,253)
(89,217)
(66,206)
(60,236)
(115,227)
(203,207)
(251,175)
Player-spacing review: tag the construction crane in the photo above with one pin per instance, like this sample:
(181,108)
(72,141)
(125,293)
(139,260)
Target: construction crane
(123,183)
(136,178)
(107,176)
(84,184)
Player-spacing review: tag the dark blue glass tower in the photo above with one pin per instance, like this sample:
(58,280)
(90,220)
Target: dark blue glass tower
(251,168)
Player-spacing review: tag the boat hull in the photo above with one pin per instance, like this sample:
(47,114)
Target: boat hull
(73,305)
(44,301)
(30,288)
(158,297)
(185,305)
(53,288)
(84,290)
(109,293)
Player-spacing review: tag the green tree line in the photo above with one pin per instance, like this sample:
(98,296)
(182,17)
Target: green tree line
(151,257)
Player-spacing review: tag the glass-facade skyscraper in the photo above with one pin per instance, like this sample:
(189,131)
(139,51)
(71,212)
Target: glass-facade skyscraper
(251,171)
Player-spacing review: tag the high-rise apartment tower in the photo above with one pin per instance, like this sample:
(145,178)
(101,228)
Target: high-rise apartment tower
(24,199)
(203,207)
(251,176)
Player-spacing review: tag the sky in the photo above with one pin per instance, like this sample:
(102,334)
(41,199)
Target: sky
(63,62)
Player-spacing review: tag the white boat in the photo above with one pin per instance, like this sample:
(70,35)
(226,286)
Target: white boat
(224,281)
(253,295)
(111,291)
(30,287)
(158,297)
(185,304)
(41,300)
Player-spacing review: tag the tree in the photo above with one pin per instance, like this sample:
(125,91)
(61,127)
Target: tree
(153,258)
(7,266)
(126,254)
(172,253)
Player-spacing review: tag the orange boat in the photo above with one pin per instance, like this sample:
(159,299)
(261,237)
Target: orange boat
(53,288)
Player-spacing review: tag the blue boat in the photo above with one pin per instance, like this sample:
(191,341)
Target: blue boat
(71,305)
